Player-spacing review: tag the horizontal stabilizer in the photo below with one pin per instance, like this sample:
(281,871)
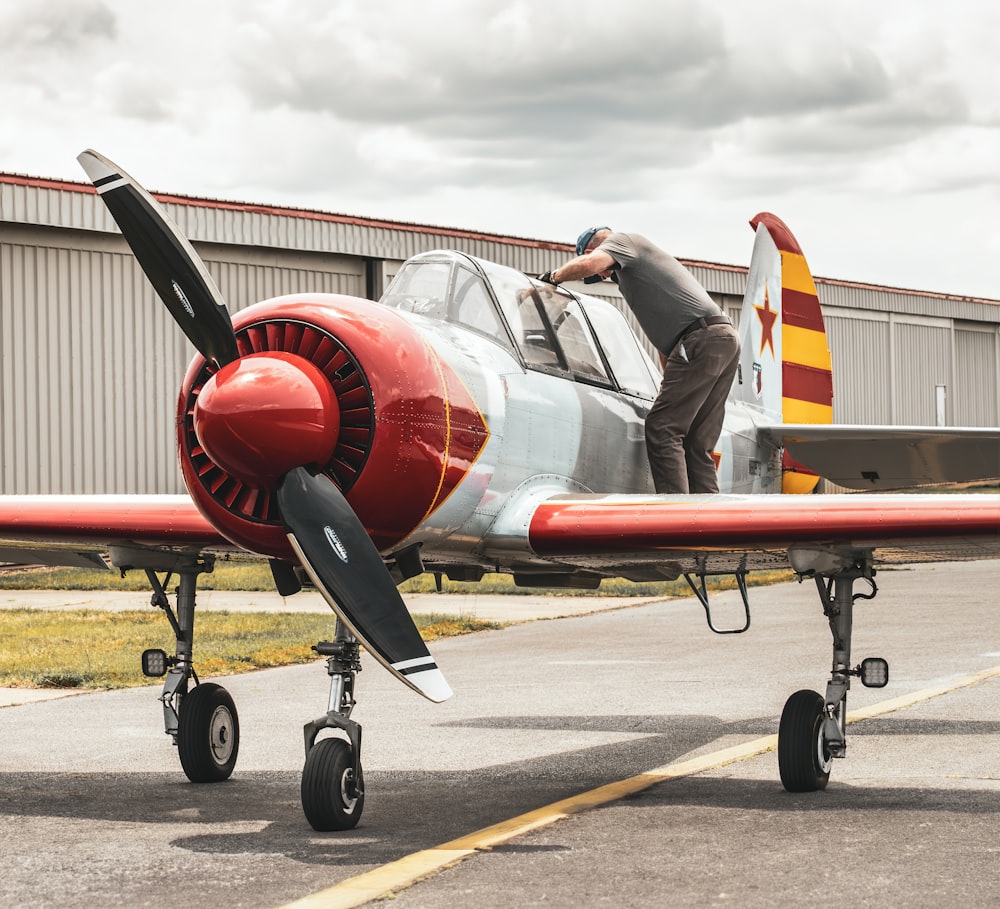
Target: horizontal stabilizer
(891,457)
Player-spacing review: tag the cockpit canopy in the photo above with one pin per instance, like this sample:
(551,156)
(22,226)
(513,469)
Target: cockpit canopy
(548,328)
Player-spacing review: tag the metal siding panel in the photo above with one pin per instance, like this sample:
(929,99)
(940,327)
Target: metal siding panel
(8,374)
(907,302)
(861,370)
(923,362)
(243,284)
(87,396)
(92,362)
(977,385)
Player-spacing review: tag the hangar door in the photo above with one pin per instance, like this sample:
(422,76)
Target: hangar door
(977,382)
(922,366)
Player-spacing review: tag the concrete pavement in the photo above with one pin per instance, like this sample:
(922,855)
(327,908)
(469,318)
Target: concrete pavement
(95,810)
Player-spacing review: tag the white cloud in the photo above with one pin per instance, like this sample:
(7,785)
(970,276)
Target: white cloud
(851,121)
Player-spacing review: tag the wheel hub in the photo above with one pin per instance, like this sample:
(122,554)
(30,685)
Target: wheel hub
(221,737)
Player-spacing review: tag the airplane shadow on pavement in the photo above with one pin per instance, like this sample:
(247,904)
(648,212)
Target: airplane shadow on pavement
(410,811)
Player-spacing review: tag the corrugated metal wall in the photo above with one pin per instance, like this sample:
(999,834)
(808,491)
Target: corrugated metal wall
(921,363)
(91,361)
(976,397)
(245,276)
(862,373)
(887,369)
(90,374)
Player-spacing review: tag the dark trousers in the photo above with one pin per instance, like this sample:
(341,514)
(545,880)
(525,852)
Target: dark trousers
(685,422)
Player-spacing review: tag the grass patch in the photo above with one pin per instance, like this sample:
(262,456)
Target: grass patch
(83,648)
(610,587)
(242,575)
(256,576)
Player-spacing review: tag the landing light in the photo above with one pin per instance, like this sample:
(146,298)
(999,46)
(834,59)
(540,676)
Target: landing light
(154,663)
(874,672)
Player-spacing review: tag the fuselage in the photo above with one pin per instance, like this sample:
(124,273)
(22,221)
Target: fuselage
(464,398)
(554,430)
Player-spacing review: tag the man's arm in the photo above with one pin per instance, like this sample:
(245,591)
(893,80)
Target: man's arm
(584,266)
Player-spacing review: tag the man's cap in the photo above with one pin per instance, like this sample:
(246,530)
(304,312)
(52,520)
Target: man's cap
(586,237)
(581,248)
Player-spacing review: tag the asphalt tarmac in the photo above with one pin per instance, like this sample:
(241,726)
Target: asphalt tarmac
(94,809)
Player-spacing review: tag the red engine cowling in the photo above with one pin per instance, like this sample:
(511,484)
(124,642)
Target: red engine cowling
(407,430)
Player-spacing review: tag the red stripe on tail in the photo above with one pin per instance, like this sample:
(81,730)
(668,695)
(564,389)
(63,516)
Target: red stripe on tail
(801,310)
(806,383)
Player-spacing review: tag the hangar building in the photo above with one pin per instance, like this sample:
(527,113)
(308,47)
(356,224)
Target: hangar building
(91,361)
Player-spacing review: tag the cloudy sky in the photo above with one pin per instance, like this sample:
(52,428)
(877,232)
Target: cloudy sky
(871,128)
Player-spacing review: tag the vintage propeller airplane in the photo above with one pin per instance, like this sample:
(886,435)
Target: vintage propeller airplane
(476,420)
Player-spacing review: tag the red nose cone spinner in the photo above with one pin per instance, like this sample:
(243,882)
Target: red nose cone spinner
(262,415)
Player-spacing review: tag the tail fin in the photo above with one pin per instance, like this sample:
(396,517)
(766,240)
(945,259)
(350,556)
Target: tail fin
(785,361)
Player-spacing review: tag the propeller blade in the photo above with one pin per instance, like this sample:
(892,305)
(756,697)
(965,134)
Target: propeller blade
(170,262)
(347,569)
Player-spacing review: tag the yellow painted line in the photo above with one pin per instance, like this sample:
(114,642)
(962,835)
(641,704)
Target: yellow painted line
(409,870)
(908,700)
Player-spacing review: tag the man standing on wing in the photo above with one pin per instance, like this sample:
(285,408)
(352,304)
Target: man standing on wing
(699,350)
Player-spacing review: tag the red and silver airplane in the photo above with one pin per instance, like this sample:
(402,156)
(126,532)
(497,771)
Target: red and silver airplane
(477,420)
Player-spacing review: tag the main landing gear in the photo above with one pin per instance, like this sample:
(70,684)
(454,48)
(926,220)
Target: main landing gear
(812,731)
(202,720)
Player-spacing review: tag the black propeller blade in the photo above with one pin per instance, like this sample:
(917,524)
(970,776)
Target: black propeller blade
(331,542)
(345,566)
(173,267)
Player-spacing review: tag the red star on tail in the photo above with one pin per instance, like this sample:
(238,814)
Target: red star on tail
(767,318)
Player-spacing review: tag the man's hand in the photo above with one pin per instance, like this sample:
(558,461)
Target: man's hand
(548,279)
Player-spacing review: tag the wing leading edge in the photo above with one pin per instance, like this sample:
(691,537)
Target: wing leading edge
(627,534)
(76,530)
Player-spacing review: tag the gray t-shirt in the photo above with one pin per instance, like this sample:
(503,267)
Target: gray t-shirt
(662,293)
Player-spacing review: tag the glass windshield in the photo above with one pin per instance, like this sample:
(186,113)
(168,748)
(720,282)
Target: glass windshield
(452,292)
(573,334)
(420,287)
(631,365)
(553,330)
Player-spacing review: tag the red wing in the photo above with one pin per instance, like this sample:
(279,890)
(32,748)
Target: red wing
(629,534)
(75,530)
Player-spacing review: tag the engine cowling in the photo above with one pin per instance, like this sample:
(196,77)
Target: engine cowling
(341,383)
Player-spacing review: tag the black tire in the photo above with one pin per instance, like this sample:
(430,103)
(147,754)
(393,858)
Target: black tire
(326,777)
(208,734)
(803,757)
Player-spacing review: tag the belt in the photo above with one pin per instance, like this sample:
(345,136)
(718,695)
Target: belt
(704,322)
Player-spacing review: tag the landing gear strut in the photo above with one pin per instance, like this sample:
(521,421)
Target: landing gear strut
(333,786)
(812,731)
(203,721)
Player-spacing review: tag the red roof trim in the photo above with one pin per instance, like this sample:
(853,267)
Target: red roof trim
(310,214)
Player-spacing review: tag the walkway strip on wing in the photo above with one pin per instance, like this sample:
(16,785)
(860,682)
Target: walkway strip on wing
(398,875)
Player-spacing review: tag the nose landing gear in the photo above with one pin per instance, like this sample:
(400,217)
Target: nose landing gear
(333,787)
